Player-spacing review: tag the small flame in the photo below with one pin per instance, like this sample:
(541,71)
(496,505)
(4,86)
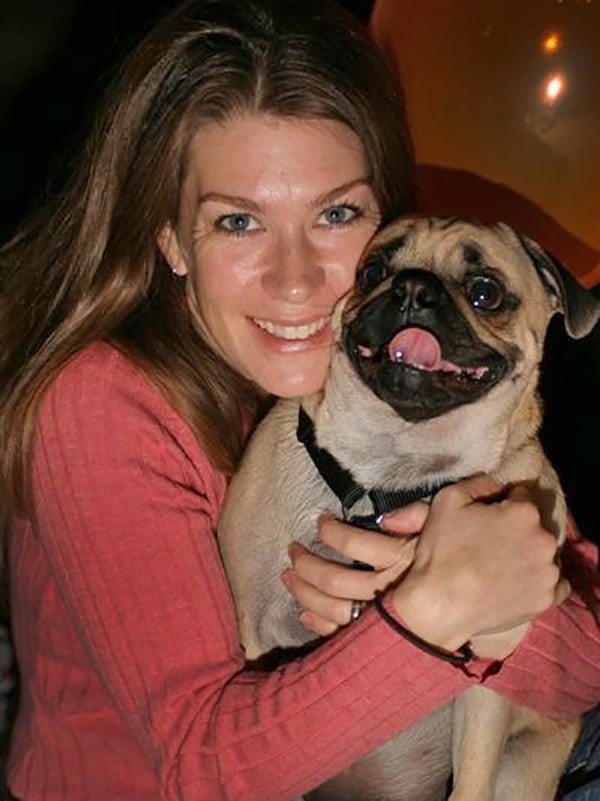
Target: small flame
(554,88)
(551,43)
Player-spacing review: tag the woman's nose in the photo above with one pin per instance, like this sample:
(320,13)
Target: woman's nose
(293,273)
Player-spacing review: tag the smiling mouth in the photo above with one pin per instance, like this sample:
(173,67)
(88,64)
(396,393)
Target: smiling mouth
(292,332)
(417,349)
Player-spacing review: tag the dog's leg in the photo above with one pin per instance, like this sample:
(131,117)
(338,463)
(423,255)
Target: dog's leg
(413,766)
(502,752)
(535,758)
(480,728)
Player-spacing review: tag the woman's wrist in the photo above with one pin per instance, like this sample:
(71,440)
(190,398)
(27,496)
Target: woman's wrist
(427,615)
(460,656)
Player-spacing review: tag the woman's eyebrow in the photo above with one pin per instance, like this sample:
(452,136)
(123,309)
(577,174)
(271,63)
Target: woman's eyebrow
(333,194)
(247,203)
(230,200)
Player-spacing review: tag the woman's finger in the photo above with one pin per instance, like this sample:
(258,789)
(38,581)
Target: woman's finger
(321,608)
(381,551)
(317,624)
(408,520)
(478,488)
(332,579)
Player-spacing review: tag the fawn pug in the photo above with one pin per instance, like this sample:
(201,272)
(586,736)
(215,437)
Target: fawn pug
(433,378)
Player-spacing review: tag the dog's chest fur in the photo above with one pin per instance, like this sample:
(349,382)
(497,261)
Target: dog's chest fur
(384,450)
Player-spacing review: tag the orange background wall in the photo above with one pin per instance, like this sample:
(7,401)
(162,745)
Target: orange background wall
(490,141)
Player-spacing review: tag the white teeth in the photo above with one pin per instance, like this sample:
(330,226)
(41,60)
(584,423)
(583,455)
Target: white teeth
(292,331)
(366,353)
(479,372)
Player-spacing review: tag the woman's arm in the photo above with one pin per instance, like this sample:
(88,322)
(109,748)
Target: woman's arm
(126,509)
(555,669)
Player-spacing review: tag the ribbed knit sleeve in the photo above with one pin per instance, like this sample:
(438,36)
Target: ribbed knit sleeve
(556,669)
(126,634)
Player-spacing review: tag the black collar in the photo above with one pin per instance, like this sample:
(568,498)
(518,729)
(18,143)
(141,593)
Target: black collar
(343,484)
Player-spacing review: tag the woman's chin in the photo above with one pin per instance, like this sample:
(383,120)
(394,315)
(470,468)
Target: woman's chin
(294,383)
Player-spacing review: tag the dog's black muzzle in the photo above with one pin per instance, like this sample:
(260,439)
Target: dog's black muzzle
(418,313)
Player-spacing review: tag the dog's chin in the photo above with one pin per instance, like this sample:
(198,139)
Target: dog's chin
(419,393)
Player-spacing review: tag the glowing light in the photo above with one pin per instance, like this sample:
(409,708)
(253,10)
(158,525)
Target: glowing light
(554,88)
(551,43)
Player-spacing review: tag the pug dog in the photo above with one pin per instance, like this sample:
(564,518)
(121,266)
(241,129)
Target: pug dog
(433,378)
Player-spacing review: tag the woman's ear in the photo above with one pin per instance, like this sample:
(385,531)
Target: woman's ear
(171,250)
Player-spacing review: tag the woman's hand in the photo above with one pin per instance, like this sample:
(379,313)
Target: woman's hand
(481,569)
(326,590)
(484,566)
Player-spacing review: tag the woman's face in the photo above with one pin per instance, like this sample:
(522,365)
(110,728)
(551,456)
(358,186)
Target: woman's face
(275,213)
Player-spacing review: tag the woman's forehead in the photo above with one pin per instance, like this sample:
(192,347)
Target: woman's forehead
(256,153)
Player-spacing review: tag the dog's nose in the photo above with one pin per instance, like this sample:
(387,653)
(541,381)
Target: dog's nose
(417,289)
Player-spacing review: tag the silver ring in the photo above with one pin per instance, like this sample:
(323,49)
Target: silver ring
(356,609)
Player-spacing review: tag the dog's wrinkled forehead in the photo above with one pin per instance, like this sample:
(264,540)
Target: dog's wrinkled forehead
(450,246)
(465,255)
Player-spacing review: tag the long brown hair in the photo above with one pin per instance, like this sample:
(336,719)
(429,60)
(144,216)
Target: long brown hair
(87,267)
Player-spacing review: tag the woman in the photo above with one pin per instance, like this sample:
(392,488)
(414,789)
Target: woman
(244,159)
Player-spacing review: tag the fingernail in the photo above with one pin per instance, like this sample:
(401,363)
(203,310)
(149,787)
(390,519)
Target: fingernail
(286,578)
(306,618)
(295,549)
(322,519)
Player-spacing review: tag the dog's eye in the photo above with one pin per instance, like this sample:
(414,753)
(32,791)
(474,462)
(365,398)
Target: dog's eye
(375,270)
(485,293)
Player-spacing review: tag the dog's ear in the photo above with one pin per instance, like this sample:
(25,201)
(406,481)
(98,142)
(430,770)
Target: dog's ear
(580,308)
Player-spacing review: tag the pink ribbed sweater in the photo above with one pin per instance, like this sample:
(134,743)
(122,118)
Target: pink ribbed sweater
(134,684)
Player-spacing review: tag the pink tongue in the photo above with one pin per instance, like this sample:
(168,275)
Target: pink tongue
(416,347)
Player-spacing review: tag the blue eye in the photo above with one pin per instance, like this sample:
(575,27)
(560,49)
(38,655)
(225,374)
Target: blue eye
(341,214)
(237,223)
